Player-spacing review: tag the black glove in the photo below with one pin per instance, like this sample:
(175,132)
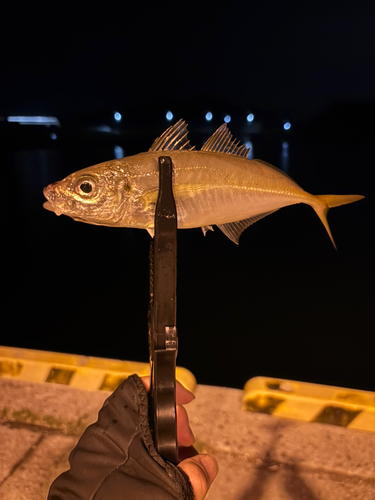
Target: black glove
(115,459)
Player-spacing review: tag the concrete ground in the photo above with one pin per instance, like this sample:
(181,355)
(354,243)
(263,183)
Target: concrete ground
(261,457)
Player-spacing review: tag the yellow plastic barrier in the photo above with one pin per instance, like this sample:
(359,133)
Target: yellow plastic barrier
(350,408)
(83,372)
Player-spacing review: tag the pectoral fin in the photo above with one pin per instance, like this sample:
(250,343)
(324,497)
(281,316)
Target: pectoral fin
(234,229)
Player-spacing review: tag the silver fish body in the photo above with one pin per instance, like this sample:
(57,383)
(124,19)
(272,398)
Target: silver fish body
(215,186)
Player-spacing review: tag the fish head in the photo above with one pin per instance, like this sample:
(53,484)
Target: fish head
(95,195)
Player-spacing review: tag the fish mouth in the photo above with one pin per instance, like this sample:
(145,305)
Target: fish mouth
(48,205)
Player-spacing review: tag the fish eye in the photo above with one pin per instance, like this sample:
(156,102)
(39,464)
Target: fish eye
(85,186)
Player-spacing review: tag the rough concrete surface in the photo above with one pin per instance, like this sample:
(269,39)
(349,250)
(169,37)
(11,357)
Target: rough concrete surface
(260,457)
(269,458)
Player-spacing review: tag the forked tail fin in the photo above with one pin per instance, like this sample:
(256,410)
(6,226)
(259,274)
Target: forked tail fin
(331,201)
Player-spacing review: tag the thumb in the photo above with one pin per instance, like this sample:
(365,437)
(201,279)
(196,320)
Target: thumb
(201,470)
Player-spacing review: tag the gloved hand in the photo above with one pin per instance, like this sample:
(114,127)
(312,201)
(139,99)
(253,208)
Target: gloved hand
(115,459)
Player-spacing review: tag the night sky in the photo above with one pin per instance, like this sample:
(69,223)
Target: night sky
(292,56)
(283,303)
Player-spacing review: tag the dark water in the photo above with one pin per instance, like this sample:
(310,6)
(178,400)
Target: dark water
(283,303)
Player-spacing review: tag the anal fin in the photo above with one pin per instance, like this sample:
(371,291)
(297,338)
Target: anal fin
(206,228)
(233,230)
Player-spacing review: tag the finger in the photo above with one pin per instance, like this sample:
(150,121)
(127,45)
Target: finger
(146,382)
(185,436)
(201,470)
(183,395)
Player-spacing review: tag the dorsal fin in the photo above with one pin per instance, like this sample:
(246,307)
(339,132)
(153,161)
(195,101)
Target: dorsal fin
(222,141)
(175,137)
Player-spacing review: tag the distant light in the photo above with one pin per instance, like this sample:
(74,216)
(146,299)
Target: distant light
(104,128)
(227,118)
(250,117)
(169,116)
(285,156)
(117,116)
(119,152)
(208,116)
(53,136)
(34,120)
(287,125)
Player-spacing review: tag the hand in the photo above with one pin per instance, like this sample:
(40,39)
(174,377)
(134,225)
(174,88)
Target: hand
(201,469)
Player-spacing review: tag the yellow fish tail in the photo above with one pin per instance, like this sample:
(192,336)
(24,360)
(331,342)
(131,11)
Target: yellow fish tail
(331,201)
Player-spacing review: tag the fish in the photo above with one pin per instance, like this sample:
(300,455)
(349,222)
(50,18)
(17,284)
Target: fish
(217,185)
